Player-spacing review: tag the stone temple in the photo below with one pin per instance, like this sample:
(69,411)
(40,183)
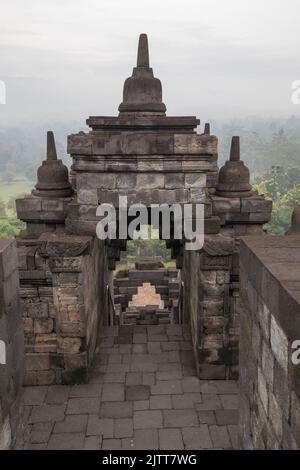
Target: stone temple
(82,369)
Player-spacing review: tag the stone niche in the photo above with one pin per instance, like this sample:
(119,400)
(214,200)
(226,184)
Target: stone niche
(11,349)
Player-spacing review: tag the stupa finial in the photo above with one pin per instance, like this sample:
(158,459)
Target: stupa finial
(143,51)
(51,148)
(235,149)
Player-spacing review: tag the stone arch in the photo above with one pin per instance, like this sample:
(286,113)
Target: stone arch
(150,158)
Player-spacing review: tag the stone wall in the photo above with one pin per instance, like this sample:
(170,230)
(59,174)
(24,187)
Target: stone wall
(209,307)
(270,322)
(64,303)
(11,348)
(127,281)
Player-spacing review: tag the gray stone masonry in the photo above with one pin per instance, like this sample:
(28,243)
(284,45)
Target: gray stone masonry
(269,395)
(11,349)
(150,400)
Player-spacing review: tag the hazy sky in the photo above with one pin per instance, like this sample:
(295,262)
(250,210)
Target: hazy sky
(67,59)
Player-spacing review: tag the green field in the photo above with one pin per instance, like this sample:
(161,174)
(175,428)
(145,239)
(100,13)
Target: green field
(15,188)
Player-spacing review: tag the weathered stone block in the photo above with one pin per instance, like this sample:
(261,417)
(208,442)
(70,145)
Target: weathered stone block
(195,180)
(174,180)
(43,325)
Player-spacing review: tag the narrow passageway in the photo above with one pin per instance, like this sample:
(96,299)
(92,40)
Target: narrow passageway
(143,394)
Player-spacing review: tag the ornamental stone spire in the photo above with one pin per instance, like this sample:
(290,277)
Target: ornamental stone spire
(142,92)
(53,177)
(234,176)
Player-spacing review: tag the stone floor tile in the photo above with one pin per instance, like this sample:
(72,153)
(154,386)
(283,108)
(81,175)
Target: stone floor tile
(148,419)
(173,356)
(97,377)
(220,437)
(127,443)
(116,377)
(227,416)
(137,392)
(125,340)
(127,358)
(43,413)
(100,360)
(160,402)
(169,345)
(167,387)
(145,439)
(141,405)
(148,378)
(229,401)
(188,370)
(191,385)
(125,348)
(170,439)
(233,434)
(185,346)
(158,337)
(169,375)
(92,443)
(107,331)
(209,402)
(125,330)
(115,409)
(134,378)
(35,395)
(57,394)
(180,418)
(153,347)
(67,441)
(71,423)
(84,405)
(115,359)
(112,392)
(186,357)
(197,438)
(226,386)
(31,446)
(100,426)
(185,400)
(85,390)
(140,329)
(174,330)
(139,338)
(207,417)
(123,428)
(139,348)
(117,368)
(111,444)
(40,432)
(208,387)
(170,366)
(107,342)
(144,367)
(155,330)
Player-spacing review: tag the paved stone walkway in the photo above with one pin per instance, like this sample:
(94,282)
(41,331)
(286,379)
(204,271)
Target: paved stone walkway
(143,394)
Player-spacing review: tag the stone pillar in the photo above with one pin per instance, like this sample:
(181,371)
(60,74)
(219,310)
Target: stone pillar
(212,276)
(11,349)
(63,282)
